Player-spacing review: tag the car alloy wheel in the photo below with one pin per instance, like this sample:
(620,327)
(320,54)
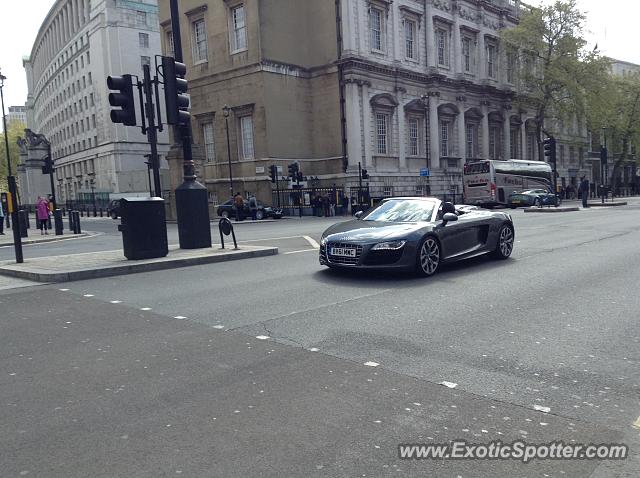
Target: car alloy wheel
(259,214)
(537,202)
(504,247)
(429,257)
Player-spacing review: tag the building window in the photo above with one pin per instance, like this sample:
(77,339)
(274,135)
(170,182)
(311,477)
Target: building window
(409,39)
(145,60)
(414,128)
(515,133)
(199,39)
(494,142)
(143,39)
(209,143)
(387,191)
(419,190)
(381,133)
(239,34)
(141,18)
(531,146)
(169,44)
(246,132)
(443,47)
(466,55)
(444,138)
(377,33)
(471,139)
(491,61)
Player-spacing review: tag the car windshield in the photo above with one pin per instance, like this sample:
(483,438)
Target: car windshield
(402,210)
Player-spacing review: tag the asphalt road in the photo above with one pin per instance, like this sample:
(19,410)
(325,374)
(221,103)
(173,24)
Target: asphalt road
(555,328)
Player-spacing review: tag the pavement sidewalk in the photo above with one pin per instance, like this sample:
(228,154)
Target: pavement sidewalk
(35,237)
(93,265)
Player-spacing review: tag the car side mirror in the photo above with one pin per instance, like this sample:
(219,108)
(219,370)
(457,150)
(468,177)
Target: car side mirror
(359,214)
(449,217)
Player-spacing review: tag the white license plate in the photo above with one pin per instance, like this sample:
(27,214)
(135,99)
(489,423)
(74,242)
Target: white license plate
(341,251)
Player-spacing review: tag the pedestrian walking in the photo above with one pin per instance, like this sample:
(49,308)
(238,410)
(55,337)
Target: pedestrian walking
(42,215)
(345,204)
(1,220)
(238,204)
(332,204)
(584,191)
(325,205)
(253,207)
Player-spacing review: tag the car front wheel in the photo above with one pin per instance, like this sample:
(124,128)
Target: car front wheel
(224,214)
(537,202)
(259,214)
(428,258)
(504,246)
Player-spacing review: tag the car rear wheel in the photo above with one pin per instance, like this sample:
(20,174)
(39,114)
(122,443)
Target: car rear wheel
(259,214)
(504,246)
(537,202)
(428,258)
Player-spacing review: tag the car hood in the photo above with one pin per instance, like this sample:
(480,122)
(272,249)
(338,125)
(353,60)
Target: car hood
(362,231)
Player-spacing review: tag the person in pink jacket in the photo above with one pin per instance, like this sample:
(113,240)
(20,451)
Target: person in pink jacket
(42,215)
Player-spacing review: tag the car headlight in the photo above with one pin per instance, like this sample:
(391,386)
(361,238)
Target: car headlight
(389,246)
(323,241)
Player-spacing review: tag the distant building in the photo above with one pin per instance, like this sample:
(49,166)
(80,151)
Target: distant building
(623,68)
(79,44)
(16,114)
(409,90)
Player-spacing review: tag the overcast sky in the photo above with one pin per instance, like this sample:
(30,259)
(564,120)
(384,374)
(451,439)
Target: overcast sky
(611,24)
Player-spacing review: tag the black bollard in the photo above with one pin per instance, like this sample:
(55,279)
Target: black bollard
(71,227)
(100,212)
(57,217)
(22,223)
(76,224)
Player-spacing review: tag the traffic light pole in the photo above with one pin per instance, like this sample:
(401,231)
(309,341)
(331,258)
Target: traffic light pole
(152,134)
(192,202)
(359,185)
(53,189)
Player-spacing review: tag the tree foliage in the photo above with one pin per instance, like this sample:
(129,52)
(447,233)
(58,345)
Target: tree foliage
(15,130)
(554,70)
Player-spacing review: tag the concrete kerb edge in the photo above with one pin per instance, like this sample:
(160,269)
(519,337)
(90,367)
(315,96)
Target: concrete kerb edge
(607,204)
(552,209)
(111,271)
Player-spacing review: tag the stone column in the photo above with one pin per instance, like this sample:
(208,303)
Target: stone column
(484,151)
(523,140)
(347,23)
(457,46)
(434,137)
(430,37)
(366,122)
(398,54)
(363,21)
(482,61)
(402,133)
(506,128)
(354,124)
(462,135)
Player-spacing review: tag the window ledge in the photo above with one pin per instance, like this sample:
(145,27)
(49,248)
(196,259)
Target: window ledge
(200,62)
(240,50)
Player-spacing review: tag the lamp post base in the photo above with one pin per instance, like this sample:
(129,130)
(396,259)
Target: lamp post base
(192,208)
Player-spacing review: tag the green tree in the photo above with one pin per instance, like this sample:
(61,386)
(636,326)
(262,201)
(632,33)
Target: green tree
(614,109)
(554,71)
(15,130)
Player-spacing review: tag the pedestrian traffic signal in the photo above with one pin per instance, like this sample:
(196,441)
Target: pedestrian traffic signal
(299,176)
(293,170)
(273,173)
(48,165)
(175,87)
(123,99)
(365,174)
(604,154)
(550,148)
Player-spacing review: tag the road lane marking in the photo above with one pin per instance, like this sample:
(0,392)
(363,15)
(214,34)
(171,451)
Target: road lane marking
(636,424)
(297,252)
(312,241)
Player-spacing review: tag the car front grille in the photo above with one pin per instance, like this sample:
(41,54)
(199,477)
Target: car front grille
(349,261)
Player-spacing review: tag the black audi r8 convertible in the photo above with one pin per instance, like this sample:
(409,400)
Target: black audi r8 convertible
(416,234)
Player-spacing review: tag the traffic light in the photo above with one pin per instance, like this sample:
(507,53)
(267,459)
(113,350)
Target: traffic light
(175,87)
(604,155)
(293,170)
(48,165)
(299,176)
(550,148)
(273,173)
(365,174)
(123,99)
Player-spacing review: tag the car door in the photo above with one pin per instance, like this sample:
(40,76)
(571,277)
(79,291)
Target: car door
(457,237)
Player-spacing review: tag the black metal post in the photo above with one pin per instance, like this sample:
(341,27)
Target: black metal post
(277,187)
(152,134)
(11,180)
(53,190)
(359,185)
(93,197)
(192,201)
(148,163)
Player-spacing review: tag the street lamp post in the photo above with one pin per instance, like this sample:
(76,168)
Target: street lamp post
(11,180)
(92,181)
(603,164)
(225,111)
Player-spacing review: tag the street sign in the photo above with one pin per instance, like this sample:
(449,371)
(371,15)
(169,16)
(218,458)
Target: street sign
(424,172)
(259,169)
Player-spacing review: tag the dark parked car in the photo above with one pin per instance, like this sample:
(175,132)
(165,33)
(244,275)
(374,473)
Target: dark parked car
(416,234)
(227,210)
(114,209)
(533,197)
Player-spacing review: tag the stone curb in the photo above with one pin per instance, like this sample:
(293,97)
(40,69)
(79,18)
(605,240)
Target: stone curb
(24,271)
(607,204)
(52,238)
(551,209)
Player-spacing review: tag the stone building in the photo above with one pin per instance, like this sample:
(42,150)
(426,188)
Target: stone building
(16,114)
(79,44)
(421,87)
